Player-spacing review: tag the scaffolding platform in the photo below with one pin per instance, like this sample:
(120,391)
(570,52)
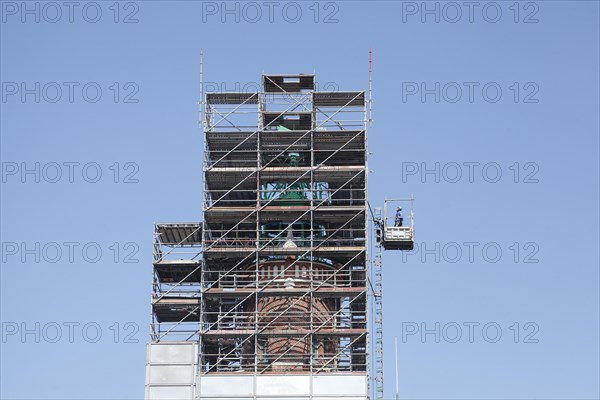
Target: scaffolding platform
(176,309)
(180,233)
(178,271)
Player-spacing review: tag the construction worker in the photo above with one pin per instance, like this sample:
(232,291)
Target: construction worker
(399,217)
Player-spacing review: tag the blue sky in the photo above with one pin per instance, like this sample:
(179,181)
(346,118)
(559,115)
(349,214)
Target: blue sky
(532,117)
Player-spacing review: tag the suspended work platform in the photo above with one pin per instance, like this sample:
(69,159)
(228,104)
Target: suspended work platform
(395,233)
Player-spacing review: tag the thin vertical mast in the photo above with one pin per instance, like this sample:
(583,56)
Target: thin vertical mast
(396,351)
(370,87)
(201,102)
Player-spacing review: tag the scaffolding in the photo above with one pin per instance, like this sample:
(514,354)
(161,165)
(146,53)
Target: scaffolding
(176,280)
(276,277)
(284,231)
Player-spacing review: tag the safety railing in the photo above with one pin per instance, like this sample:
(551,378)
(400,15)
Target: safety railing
(231,117)
(291,321)
(177,331)
(175,253)
(248,158)
(242,243)
(273,362)
(271,278)
(248,197)
(187,290)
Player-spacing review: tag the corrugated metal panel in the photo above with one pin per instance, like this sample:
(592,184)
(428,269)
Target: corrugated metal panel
(232,98)
(338,99)
(288,83)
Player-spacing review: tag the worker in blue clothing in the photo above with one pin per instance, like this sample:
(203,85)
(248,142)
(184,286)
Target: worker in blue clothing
(399,218)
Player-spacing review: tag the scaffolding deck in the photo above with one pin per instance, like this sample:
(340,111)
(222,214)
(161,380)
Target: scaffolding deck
(180,233)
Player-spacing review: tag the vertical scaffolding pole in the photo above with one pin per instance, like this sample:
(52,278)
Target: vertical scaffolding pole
(370,88)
